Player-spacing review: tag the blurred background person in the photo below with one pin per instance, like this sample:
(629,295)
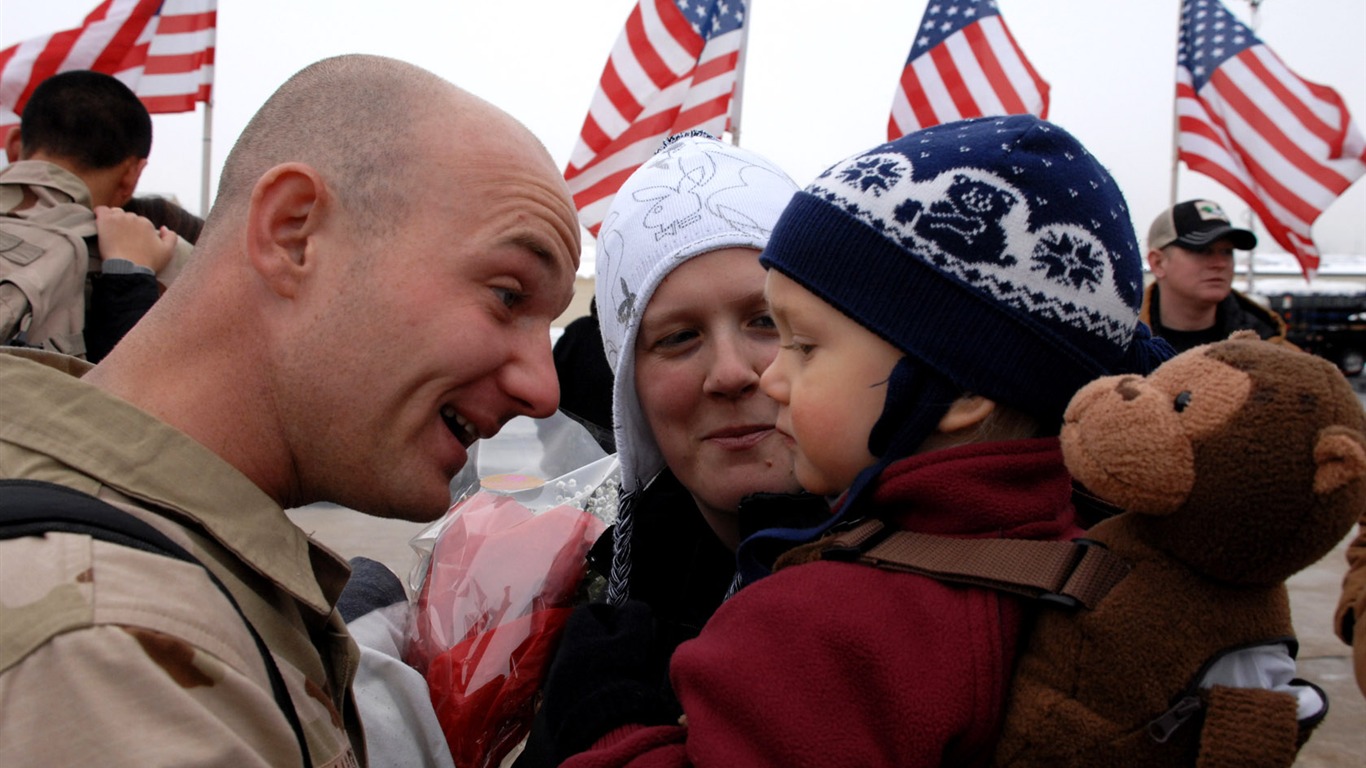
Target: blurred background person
(1191,300)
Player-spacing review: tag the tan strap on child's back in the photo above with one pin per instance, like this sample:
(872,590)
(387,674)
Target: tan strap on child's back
(1072,573)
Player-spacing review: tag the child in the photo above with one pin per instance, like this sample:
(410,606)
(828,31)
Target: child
(939,299)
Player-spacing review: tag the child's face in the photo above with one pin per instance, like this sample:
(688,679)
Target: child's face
(830,381)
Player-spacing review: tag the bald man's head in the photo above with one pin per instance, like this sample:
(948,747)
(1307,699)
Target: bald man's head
(355,119)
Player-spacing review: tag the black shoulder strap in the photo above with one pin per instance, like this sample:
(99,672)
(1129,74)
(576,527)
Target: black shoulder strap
(33,508)
(1070,573)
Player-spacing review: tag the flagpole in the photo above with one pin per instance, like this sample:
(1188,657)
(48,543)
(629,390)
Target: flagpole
(1251,214)
(1176,115)
(735,102)
(204,167)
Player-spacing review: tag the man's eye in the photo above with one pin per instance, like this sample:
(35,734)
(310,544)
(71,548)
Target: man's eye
(509,297)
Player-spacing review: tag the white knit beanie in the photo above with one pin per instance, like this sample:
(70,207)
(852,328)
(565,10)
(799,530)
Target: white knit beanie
(696,195)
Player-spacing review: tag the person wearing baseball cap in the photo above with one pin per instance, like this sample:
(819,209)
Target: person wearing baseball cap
(1192,301)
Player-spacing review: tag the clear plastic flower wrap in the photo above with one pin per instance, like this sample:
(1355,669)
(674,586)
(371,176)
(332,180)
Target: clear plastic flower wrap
(499,575)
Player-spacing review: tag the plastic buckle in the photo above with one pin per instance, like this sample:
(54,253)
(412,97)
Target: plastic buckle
(1067,601)
(852,552)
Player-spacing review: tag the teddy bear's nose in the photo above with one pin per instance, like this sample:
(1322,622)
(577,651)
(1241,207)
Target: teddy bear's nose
(1127,388)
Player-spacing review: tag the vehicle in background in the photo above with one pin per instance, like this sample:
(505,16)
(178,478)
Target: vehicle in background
(1325,318)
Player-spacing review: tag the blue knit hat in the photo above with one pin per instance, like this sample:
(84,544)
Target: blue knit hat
(997,252)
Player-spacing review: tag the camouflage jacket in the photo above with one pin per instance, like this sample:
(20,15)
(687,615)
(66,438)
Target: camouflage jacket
(45,222)
(113,656)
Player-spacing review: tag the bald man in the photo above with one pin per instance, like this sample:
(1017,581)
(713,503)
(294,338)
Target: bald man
(371,294)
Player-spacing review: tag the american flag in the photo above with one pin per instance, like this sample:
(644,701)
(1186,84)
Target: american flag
(672,69)
(162,49)
(1286,146)
(964,63)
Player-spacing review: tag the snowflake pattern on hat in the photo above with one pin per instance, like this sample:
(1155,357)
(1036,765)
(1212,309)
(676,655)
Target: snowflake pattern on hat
(987,231)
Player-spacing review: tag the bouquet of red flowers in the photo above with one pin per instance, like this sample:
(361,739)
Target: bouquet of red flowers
(503,569)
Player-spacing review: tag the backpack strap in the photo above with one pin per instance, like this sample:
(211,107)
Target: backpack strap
(34,508)
(1071,573)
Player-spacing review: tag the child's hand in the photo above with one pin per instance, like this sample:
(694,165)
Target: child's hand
(125,235)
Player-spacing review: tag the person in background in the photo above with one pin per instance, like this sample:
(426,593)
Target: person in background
(142,247)
(82,143)
(351,323)
(938,299)
(1191,300)
(585,377)
(686,330)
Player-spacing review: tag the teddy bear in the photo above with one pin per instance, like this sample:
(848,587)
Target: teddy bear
(1235,464)
(1352,605)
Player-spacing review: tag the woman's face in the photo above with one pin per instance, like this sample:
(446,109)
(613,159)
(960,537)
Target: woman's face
(705,338)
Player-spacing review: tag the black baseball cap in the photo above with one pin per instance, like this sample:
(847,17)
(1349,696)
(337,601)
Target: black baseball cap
(1195,224)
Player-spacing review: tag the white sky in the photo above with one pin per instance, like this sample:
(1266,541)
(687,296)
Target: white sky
(818,84)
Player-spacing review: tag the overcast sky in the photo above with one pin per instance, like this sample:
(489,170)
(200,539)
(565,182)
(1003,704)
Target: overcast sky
(818,84)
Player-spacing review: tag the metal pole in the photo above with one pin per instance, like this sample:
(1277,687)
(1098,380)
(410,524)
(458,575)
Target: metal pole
(1251,214)
(739,92)
(1176,115)
(204,169)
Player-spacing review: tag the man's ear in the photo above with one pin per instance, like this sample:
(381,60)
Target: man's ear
(966,412)
(1156,263)
(287,208)
(13,146)
(128,180)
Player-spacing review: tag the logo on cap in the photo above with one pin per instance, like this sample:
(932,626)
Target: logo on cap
(1210,211)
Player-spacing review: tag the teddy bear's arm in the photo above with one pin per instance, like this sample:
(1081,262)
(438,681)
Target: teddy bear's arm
(1353,600)
(1249,728)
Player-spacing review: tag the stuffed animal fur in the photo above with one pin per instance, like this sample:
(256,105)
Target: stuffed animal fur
(1352,605)
(1237,464)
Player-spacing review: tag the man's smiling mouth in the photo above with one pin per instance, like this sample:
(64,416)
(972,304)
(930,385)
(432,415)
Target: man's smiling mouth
(459,426)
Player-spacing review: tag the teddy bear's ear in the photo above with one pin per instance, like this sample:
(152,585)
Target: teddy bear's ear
(1340,455)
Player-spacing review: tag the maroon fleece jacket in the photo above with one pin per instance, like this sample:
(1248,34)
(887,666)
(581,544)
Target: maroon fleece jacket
(841,664)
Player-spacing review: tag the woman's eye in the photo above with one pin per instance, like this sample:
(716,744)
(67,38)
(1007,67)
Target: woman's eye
(675,339)
(801,349)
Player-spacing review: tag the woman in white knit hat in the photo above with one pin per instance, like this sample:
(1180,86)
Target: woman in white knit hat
(680,296)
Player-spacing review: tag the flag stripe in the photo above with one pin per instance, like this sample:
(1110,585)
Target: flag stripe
(618,94)
(105,37)
(1307,118)
(1286,146)
(1021,71)
(913,93)
(668,72)
(690,43)
(991,69)
(644,52)
(964,63)
(963,103)
(187,22)
(1254,175)
(163,51)
(1258,124)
